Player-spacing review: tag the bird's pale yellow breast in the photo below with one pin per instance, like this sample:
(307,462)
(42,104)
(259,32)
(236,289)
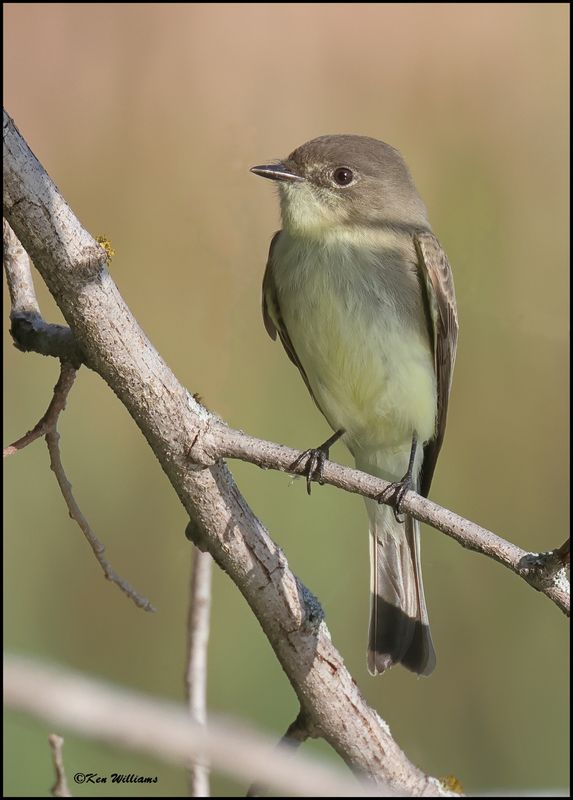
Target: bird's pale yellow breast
(368,361)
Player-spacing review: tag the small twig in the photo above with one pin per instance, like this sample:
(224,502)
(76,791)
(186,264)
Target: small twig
(297,732)
(28,329)
(60,788)
(35,334)
(47,427)
(52,440)
(18,273)
(50,418)
(196,677)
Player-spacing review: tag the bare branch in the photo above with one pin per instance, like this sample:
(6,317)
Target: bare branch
(215,441)
(52,440)
(164,730)
(18,273)
(50,340)
(197,641)
(60,788)
(28,329)
(47,426)
(49,420)
(299,731)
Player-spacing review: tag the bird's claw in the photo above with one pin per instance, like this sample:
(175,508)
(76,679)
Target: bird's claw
(396,491)
(315,458)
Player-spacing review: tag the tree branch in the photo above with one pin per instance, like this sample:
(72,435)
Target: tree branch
(60,788)
(197,641)
(28,330)
(163,730)
(47,426)
(215,441)
(50,419)
(98,548)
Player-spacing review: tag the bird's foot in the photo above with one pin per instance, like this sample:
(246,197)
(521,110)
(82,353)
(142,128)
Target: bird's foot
(395,492)
(315,458)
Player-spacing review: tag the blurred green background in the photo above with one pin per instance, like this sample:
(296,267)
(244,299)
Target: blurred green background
(148,117)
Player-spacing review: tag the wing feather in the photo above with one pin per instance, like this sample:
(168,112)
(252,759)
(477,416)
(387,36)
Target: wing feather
(272,317)
(441,301)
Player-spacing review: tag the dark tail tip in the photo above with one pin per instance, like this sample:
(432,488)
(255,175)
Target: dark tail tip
(399,639)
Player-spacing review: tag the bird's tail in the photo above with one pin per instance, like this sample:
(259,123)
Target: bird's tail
(399,630)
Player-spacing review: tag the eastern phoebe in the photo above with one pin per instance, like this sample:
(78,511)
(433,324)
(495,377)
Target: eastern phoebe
(362,297)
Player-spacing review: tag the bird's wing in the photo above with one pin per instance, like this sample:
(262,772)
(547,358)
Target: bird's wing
(272,317)
(441,306)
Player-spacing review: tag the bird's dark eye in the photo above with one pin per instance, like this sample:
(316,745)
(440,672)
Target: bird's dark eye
(343,176)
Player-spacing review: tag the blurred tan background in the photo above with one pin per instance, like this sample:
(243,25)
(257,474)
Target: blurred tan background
(148,117)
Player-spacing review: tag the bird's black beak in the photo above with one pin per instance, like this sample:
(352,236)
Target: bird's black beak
(276,172)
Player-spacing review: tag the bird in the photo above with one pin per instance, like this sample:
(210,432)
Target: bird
(360,292)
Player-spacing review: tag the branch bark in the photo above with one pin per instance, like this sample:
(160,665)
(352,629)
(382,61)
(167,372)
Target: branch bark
(28,330)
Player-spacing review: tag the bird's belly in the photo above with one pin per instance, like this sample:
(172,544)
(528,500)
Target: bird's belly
(371,374)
